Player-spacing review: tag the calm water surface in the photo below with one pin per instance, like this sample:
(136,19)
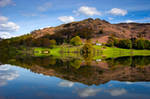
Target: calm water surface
(62,80)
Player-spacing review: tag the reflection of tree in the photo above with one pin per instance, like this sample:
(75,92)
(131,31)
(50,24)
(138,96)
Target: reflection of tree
(76,63)
(132,61)
(88,58)
(76,70)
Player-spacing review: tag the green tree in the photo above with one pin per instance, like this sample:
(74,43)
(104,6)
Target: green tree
(85,32)
(52,43)
(140,44)
(76,41)
(147,44)
(125,43)
(87,48)
(110,41)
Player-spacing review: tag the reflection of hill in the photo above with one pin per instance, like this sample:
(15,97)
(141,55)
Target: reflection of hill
(96,73)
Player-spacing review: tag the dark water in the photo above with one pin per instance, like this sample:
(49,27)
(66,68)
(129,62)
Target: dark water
(52,78)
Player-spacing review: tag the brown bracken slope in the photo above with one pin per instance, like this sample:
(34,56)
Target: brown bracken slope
(121,30)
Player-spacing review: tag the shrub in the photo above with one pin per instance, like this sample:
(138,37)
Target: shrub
(52,43)
(126,43)
(87,48)
(76,41)
(134,43)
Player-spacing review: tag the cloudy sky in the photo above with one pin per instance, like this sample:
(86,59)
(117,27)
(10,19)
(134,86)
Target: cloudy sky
(19,17)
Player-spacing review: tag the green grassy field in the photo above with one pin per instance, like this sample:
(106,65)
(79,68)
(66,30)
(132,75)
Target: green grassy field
(110,52)
(104,52)
(59,51)
(39,51)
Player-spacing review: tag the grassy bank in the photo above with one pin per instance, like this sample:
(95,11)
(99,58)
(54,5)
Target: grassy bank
(64,51)
(100,52)
(110,52)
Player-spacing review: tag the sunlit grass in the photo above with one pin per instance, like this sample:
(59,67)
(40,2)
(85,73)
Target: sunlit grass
(110,52)
(74,51)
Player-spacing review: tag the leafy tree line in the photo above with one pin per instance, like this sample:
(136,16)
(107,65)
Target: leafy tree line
(28,41)
(133,43)
(69,35)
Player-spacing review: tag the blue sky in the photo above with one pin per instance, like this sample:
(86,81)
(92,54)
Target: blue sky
(19,17)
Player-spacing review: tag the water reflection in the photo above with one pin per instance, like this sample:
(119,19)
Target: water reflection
(75,78)
(130,61)
(97,72)
(66,83)
(116,92)
(7,74)
(86,92)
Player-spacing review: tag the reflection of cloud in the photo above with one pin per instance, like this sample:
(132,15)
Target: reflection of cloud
(6,74)
(117,92)
(129,82)
(66,84)
(87,92)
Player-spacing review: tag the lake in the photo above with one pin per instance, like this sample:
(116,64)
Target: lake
(69,78)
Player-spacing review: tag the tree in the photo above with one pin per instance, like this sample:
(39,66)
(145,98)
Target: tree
(147,44)
(85,32)
(65,33)
(46,42)
(52,43)
(37,42)
(87,48)
(76,41)
(125,43)
(110,41)
(140,44)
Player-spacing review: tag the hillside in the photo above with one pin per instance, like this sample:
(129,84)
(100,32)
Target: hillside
(96,29)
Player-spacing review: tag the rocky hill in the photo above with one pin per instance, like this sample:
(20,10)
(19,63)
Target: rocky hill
(98,30)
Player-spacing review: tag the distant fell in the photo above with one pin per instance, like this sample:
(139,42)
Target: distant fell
(96,29)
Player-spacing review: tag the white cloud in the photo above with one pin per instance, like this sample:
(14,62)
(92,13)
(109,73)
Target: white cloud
(44,7)
(7,74)
(110,18)
(129,21)
(118,12)
(66,84)
(3,19)
(9,26)
(117,92)
(144,20)
(6,27)
(5,35)
(4,3)
(29,14)
(88,11)
(66,19)
(86,92)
